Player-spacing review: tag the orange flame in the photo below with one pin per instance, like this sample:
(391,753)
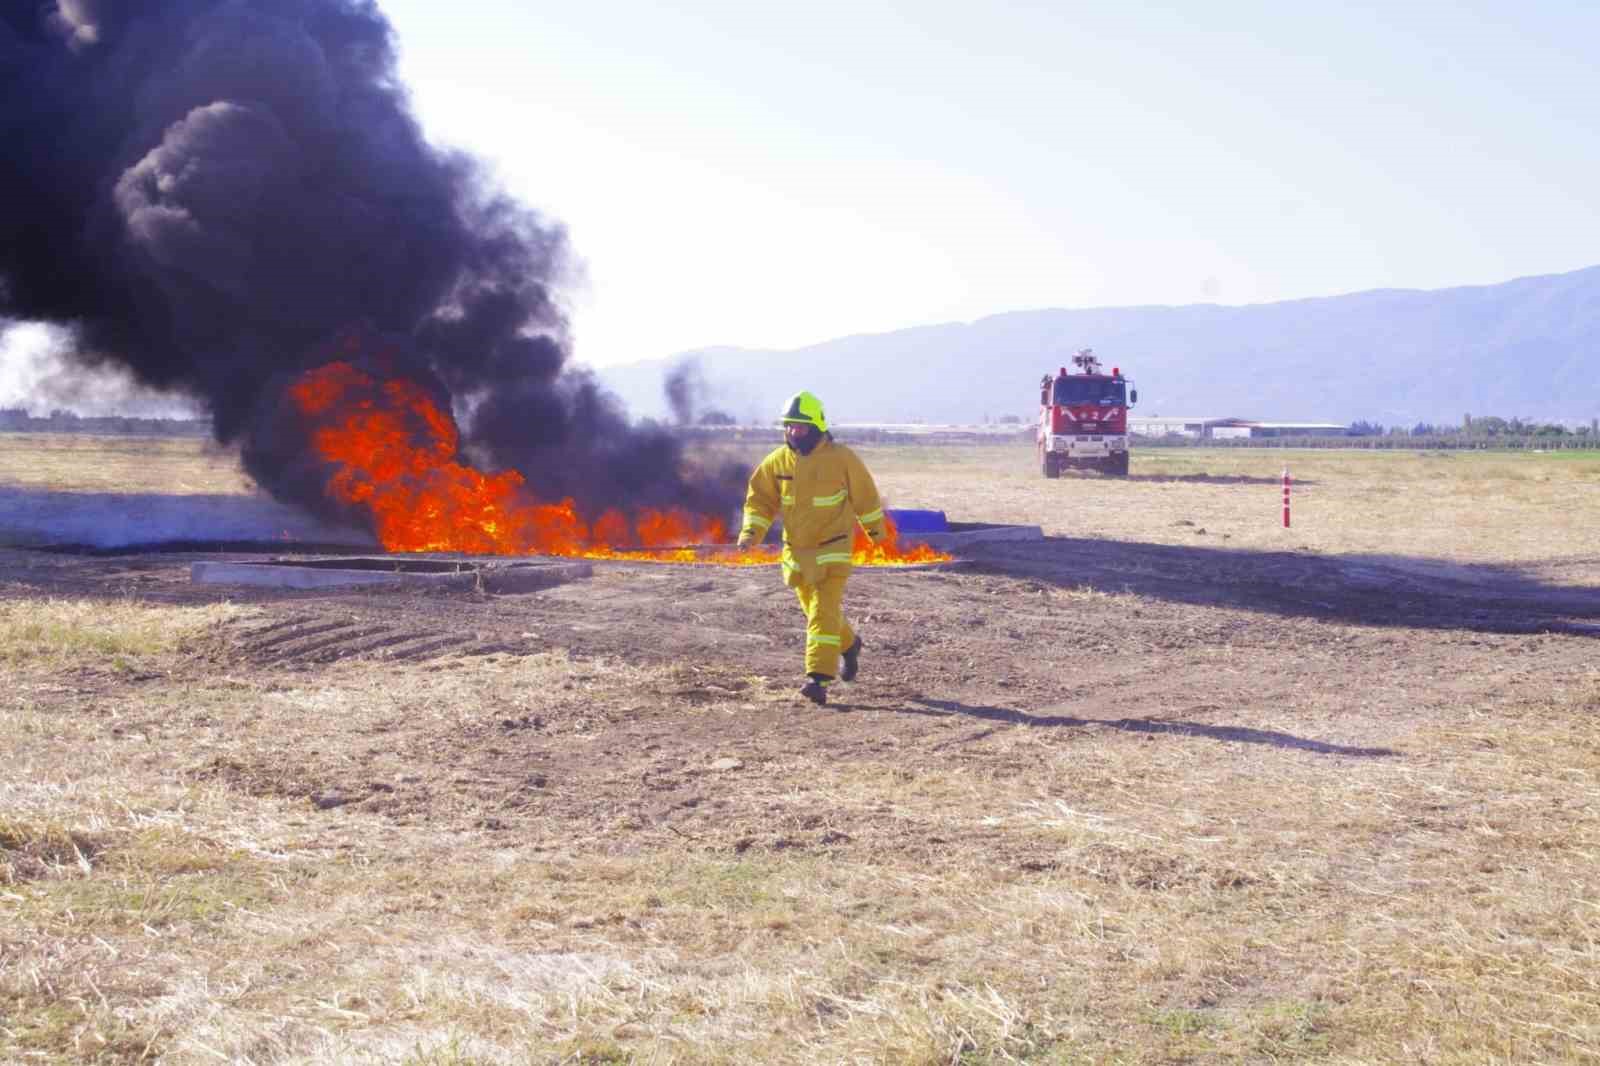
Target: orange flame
(393,452)
(889,552)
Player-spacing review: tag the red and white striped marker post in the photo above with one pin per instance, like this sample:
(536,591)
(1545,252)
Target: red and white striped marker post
(1285,497)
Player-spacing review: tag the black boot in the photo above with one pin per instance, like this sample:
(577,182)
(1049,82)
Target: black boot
(816,689)
(850,661)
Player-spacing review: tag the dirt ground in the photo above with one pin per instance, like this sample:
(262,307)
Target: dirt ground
(1298,729)
(1066,634)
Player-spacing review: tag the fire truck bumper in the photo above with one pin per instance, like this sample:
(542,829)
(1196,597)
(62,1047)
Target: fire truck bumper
(1088,447)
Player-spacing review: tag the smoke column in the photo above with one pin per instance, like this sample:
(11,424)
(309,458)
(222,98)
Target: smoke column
(206,191)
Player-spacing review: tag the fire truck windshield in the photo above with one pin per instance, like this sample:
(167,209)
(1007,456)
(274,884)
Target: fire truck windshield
(1082,390)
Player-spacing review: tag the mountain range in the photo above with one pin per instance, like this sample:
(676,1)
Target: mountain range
(1527,348)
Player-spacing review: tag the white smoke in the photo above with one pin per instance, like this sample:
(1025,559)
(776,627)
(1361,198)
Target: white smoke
(75,21)
(36,376)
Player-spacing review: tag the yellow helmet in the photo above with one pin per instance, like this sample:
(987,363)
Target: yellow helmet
(805,409)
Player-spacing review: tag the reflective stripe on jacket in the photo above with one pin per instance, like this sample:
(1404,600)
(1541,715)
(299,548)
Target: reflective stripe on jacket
(820,497)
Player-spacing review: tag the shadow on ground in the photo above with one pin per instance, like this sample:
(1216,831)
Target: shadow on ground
(131,522)
(1415,593)
(1187,479)
(1226,733)
(1213,479)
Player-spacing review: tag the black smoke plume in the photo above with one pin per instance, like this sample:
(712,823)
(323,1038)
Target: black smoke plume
(684,384)
(206,191)
(688,394)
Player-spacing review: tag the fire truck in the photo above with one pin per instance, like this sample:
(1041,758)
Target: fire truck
(1083,418)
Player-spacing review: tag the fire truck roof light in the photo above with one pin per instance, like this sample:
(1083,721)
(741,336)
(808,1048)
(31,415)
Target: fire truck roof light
(1116,371)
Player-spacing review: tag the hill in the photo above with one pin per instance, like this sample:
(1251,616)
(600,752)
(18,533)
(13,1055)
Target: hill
(1526,348)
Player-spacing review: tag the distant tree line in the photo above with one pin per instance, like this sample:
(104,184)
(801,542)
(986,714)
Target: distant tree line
(1406,442)
(18,420)
(1473,432)
(1481,427)
(1481,431)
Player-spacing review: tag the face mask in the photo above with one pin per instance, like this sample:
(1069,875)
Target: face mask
(804,441)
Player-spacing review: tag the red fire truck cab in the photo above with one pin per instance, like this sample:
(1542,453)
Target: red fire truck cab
(1083,418)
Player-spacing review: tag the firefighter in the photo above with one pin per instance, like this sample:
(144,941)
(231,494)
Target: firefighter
(821,490)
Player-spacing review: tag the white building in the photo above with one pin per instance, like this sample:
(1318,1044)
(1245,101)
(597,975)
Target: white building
(1226,428)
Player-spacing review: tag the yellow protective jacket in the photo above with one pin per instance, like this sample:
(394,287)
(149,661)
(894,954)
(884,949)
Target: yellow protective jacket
(821,497)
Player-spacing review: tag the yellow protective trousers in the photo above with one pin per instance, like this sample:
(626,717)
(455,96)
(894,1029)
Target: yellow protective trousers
(827,633)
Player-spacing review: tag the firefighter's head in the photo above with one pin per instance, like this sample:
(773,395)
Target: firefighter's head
(803,422)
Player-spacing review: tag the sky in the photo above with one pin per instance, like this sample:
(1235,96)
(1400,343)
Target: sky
(777,175)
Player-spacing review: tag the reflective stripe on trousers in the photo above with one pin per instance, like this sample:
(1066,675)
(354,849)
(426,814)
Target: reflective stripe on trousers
(827,633)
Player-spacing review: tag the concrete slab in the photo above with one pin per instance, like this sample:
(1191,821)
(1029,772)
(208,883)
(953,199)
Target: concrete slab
(491,575)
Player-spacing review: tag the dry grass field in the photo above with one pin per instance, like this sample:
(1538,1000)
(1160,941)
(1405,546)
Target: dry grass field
(1175,785)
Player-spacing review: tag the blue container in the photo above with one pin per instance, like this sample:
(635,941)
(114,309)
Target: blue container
(919,521)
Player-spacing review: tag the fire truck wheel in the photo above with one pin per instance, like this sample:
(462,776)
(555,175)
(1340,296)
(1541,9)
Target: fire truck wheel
(1051,465)
(1118,464)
